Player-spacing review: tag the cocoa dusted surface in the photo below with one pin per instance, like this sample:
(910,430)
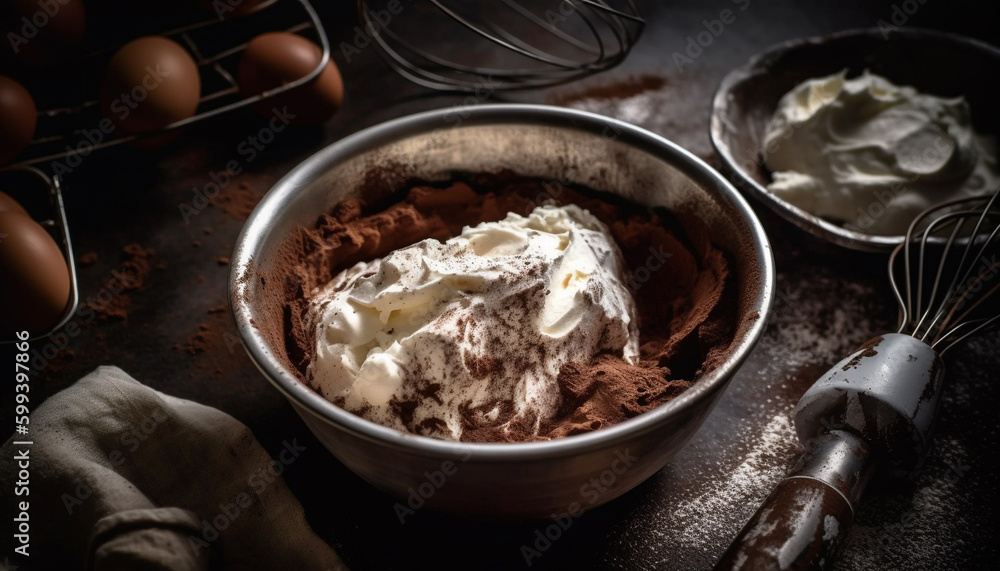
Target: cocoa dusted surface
(683,293)
(828,301)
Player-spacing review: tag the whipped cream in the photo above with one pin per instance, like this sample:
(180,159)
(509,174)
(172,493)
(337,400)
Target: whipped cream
(873,155)
(479,325)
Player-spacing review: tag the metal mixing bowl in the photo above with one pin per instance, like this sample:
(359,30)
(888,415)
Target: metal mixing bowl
(522,480)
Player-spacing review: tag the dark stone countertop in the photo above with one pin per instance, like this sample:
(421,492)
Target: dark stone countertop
(178,336)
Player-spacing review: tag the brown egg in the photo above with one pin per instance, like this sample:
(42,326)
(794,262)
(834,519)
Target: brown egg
(8,204)
(277,58)
(18,116)
(34,290)
(150,83)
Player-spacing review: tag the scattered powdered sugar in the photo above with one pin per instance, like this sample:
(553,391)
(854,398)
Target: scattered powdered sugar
(709,513)
(807,332)
(713,486)
(637,109)
(650,101)
(889,534)
(699,507)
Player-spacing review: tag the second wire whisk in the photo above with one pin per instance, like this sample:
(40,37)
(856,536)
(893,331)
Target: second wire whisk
(501,44)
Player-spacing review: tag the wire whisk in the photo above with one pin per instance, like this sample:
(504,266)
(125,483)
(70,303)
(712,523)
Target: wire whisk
(955,243)
(870,416)
(505,44)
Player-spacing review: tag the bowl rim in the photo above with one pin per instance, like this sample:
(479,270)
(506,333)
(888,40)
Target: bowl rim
(810,223)
(255,231)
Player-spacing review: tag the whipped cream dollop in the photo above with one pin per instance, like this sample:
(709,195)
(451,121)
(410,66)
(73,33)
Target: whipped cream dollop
(474,329)
(872,155)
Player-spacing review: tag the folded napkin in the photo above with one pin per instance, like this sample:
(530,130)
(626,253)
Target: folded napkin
(126,477)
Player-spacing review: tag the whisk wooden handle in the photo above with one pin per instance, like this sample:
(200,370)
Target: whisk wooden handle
(799,526)
(802,523)
(874,408)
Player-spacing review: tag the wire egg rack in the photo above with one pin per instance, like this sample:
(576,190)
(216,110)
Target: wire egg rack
(41,196)
(69,117)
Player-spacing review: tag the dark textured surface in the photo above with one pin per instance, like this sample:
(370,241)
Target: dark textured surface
(179,339)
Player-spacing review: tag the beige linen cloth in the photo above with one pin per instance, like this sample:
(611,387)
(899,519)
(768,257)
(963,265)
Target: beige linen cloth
(126,477)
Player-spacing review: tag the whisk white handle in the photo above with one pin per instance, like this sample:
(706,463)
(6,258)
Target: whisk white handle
(886,392)
(872,412)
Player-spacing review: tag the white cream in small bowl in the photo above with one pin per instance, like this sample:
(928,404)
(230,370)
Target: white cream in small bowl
(872,155)
(858,216)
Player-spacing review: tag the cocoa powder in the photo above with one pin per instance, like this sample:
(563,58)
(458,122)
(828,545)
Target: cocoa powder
(130,276)
(87,259)
(238,200)
(623,89)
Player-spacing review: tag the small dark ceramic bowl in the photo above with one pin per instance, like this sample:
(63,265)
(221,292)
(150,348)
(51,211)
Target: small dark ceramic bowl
(936,63)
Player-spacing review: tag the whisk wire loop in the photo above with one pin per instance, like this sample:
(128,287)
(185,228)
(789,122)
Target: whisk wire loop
(592,36)
(944,316)
(956,220)
(553,29)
